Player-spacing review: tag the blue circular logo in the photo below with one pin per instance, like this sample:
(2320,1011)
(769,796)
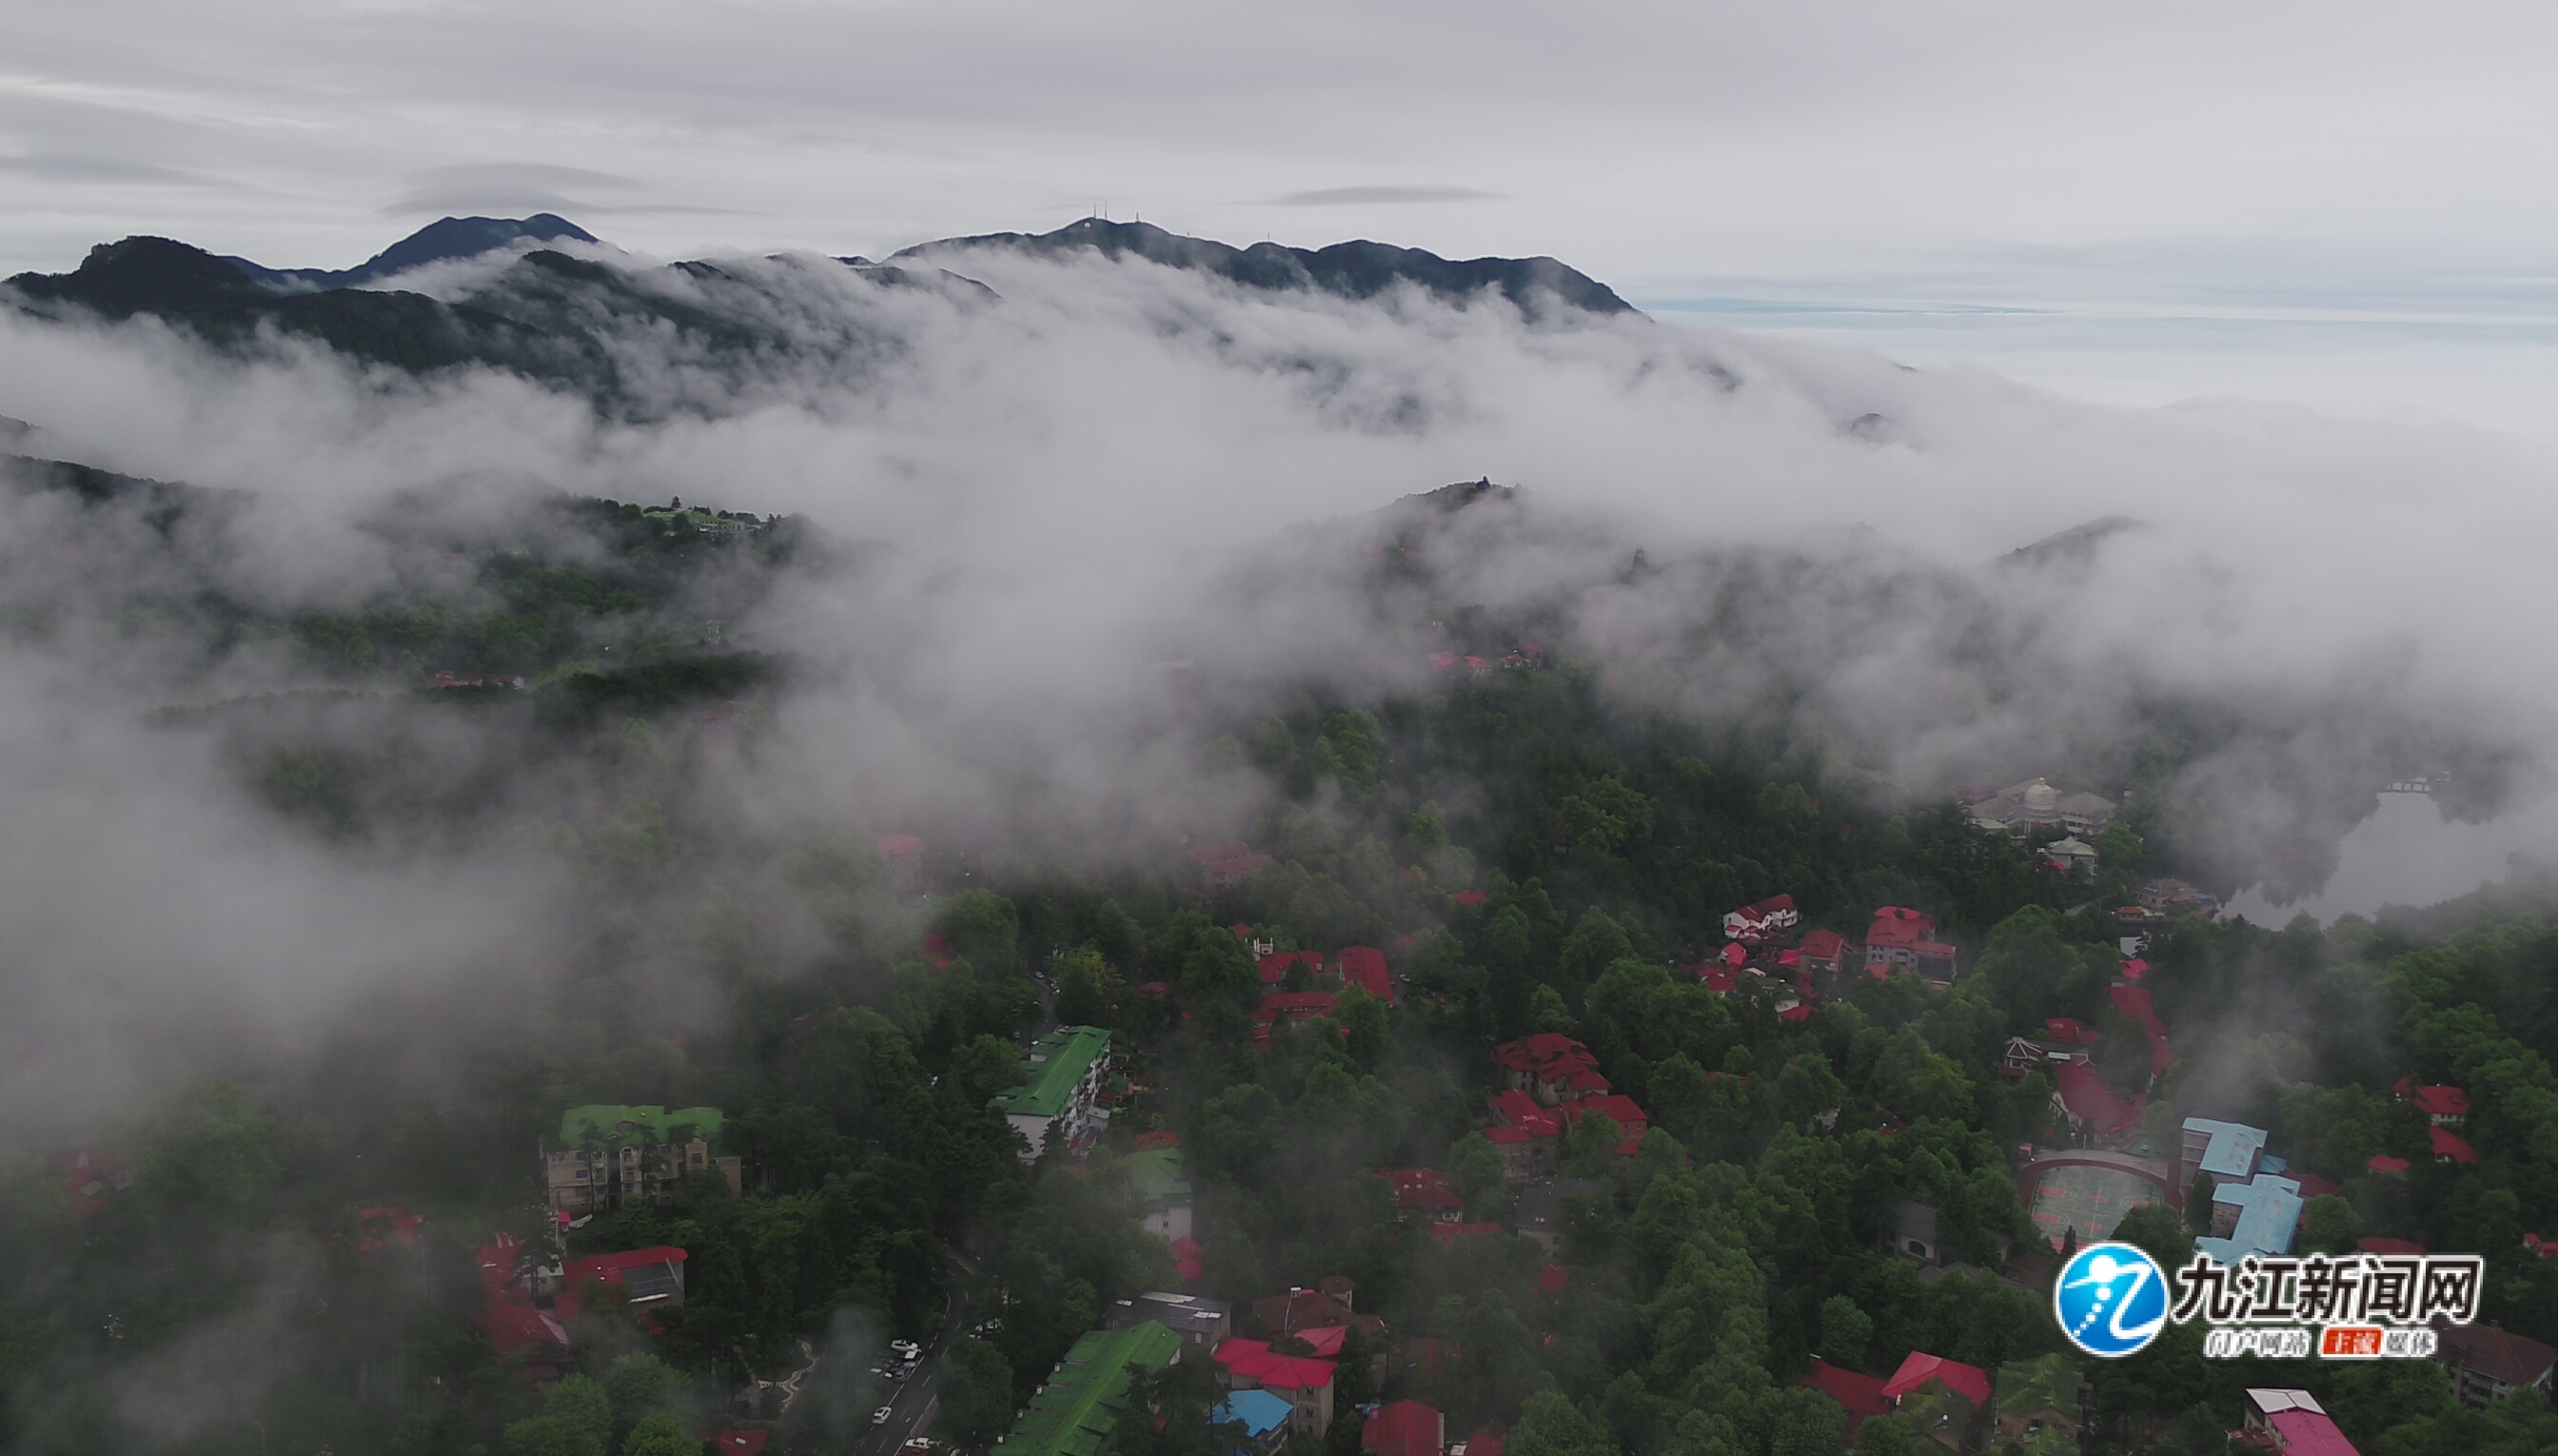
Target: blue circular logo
(2110,1299)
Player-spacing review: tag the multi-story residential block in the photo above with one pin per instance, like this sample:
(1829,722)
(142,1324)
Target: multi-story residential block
(1067,1068)
(609,1157)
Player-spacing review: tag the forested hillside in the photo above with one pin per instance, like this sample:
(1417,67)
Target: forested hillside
(1532,855)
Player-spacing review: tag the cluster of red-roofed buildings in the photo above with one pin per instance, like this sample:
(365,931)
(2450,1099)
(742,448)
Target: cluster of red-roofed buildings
(1363,966)
(528,1295)
(1763,951)
(1550,1081)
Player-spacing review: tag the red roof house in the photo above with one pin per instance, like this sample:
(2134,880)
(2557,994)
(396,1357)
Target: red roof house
(2294,1423)
(1967,1381)
(645,1277)
(1274,966)
(900,846)
(1324,1343)
(1553,1066)
(1901,939)
(1527,1114)
(1823,948)
(517,1332)
(1769,917)
(1287,1008)
(1426,1191)
(1552,1278)
(1621,1109)
(1860,1396)
(2440,1105)
(1403,1429)
(1249,1362)
(1364,967)
(1468,897)
(2450,1147)
(1488,1441)
(2384,1164)
(729,1441)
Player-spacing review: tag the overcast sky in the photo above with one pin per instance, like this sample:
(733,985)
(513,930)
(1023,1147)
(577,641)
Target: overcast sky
(2304,162)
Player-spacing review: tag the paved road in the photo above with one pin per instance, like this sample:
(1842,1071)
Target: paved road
(912,1405)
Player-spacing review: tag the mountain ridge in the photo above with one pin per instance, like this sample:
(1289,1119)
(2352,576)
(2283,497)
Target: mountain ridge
(559,319)
(1358,269)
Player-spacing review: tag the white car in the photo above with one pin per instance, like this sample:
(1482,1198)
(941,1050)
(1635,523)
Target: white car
(905,1349)
(879,1416)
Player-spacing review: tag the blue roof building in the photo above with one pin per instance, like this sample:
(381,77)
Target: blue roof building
(2258,1217)
(1262,1415)
(2225,1150)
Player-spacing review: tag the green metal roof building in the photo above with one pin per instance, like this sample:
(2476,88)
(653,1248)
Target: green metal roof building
(1159,1183)
(602,1123)
(1156,1177)
(1064,1073)
(1077,1411)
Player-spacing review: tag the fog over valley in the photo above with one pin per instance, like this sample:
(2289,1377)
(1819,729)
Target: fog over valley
(524,673)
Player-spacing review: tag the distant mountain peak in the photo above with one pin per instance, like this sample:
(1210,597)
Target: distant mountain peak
(445,240)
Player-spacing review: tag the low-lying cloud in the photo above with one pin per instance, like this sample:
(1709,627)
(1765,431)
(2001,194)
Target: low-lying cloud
(1051,492)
